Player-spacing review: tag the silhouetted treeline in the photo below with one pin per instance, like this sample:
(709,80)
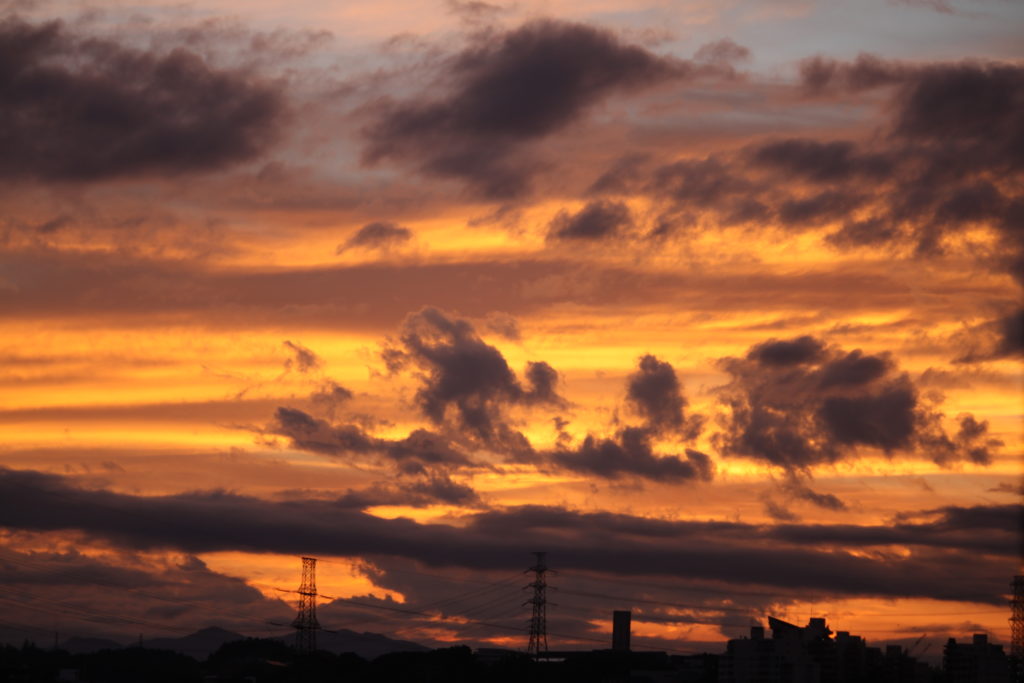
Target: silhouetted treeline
(256,661)
(273,661)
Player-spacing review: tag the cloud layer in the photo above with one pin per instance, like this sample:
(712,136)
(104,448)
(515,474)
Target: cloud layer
(798,403)
(208,521)
(506,91)
(78,109)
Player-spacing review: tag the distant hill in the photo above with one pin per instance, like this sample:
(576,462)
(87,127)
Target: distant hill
(366,645)
(198,645)
(202,644)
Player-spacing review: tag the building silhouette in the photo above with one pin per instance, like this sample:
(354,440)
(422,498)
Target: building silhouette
(976,662)
(621,624)
(810,654)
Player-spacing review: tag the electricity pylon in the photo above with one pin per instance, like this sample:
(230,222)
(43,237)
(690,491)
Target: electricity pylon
(305,622)
(538,645)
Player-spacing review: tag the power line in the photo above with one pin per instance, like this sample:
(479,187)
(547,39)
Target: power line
(135,591)
(440,604)
(465,607)
(709,608)
(442,577)
(504,627)
(674,589)
(38,603)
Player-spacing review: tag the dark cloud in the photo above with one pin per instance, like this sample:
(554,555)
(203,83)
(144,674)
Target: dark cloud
(623,177)
(84,109)
(965,101)
(630,453)
(465,379)
(885,420)
(817,209)
(805,558)
(656,394)
(954,137)
(864,233)
(464,370)
(853,369)
(423,451)
(973,439)
(330,395)
(543,383)
(53,225)
(506,90)
(798,403)
(595,221)
(705,191)
(474,10)
(986,530)
(420,452)
(377,235)
(755,187)
(936,5)
(995,339)
(702,183)
(317,436)
(467,384)
(867,71)
(800,490)
(820,161)
(110,590)
(69,568)
(435,487)
(782,353)
(417,468)
(1011,330)
(440,488)
(304,359)
(960,518)
(725,51)
(971,203)
(134,289)
(938,167)
(779,512)
(504,325)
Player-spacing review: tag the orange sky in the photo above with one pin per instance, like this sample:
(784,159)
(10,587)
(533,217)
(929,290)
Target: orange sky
(718,302)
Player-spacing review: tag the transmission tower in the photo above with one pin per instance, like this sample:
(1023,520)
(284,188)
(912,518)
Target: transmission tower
(538,646)
(1017,626)
(305,622)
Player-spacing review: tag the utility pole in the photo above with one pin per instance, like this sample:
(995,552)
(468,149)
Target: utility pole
(1017,628)
(305,622)
(538,646)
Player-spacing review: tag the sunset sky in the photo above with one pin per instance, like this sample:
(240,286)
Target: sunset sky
(717,303)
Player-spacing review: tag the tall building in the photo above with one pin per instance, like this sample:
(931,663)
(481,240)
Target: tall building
(621,625)
(751,660)
(976,662)
(809,654)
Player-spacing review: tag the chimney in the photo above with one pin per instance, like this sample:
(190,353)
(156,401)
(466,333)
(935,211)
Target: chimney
(620,630)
